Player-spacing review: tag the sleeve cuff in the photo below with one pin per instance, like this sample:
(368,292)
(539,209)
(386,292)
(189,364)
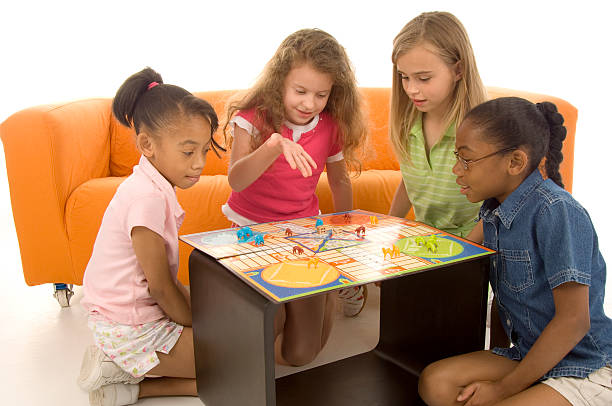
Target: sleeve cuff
(335,158)
(244,124)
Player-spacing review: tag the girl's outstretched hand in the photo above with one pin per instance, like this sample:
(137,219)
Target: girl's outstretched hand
(481,393)
(294,154)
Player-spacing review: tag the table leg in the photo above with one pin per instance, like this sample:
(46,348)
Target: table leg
(434,314)
(233,332)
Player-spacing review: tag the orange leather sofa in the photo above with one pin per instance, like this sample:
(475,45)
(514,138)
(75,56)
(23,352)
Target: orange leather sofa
(65,161)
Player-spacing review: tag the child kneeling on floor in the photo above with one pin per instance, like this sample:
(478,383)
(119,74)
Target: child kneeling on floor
(139,312)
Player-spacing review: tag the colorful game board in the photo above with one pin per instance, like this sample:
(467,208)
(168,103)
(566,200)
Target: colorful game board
(314,254)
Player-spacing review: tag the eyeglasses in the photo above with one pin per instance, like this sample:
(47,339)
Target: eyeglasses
(466,162)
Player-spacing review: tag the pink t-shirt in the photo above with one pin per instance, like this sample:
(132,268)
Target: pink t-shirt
(114,284)
(282,193)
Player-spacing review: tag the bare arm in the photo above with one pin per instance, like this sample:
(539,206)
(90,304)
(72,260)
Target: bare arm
(569,325)
(247,166)
(400,205)
(185,292)
(150,251)
(340,185)
(476,235)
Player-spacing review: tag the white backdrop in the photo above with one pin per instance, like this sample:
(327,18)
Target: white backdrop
(62,50)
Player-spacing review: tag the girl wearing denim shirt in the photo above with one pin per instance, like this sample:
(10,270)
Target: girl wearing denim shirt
(548,276)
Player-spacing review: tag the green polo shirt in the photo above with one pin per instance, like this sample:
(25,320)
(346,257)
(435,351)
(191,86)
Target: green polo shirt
(432,187)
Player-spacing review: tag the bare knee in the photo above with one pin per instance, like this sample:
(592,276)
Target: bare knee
(434,386)
(301,353)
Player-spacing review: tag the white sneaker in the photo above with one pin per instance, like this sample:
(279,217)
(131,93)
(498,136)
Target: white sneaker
(116,394)
(353,299)
(98,370)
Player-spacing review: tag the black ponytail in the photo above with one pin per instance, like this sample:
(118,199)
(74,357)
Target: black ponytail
(143,100)
(513,122)
(557,135)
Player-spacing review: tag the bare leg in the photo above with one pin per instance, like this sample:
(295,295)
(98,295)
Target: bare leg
(180,362)
(441,382)
(328,318)
(306,329)
(176,371)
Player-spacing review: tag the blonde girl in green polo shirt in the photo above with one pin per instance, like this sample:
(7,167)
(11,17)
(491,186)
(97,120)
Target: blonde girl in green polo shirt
(435,83)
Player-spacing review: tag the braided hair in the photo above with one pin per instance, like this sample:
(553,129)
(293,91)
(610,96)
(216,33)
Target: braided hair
(513,122)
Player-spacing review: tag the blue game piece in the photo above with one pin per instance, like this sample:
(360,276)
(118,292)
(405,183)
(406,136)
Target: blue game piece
(318,223)
(244,233)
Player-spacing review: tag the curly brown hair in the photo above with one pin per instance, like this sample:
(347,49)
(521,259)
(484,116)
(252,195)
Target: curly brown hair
(324,54)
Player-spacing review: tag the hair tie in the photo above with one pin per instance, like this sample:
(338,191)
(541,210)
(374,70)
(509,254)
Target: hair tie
(152,85)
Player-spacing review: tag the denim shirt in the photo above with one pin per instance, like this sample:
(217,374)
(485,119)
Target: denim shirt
(544,238)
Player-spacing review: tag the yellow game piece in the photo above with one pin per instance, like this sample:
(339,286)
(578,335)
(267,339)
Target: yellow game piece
(314,261)
(386,251)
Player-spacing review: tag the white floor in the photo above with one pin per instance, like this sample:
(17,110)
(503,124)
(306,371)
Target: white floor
(42,344)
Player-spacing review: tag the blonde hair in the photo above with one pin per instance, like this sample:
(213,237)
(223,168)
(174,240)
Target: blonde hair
(323,53)
(449,40)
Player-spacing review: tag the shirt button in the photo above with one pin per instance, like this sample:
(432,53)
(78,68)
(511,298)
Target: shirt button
(508,322)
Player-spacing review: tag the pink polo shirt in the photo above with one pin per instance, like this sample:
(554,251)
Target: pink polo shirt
(114,284)
(282,193)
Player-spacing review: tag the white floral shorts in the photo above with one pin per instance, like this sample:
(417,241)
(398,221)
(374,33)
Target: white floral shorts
(133,348)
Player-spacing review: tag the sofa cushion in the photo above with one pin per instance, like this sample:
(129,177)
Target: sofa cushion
(372,190)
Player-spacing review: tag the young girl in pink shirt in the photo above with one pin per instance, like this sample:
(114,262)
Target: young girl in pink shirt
(138,311)
(302,115)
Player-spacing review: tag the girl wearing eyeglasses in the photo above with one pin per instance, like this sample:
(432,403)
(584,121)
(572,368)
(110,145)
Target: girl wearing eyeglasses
(548,275)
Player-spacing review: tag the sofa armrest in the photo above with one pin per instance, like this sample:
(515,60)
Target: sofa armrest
(49,151)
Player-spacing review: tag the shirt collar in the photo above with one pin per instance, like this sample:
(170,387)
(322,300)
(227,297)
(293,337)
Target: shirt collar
(303,128)
(149,171)
(513,204)
(417,128)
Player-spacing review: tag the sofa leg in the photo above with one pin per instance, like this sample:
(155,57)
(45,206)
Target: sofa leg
(62,293)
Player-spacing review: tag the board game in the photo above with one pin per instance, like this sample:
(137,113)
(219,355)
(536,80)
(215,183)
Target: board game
(293,258)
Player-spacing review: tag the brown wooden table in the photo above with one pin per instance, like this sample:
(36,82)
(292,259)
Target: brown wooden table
(425,315)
